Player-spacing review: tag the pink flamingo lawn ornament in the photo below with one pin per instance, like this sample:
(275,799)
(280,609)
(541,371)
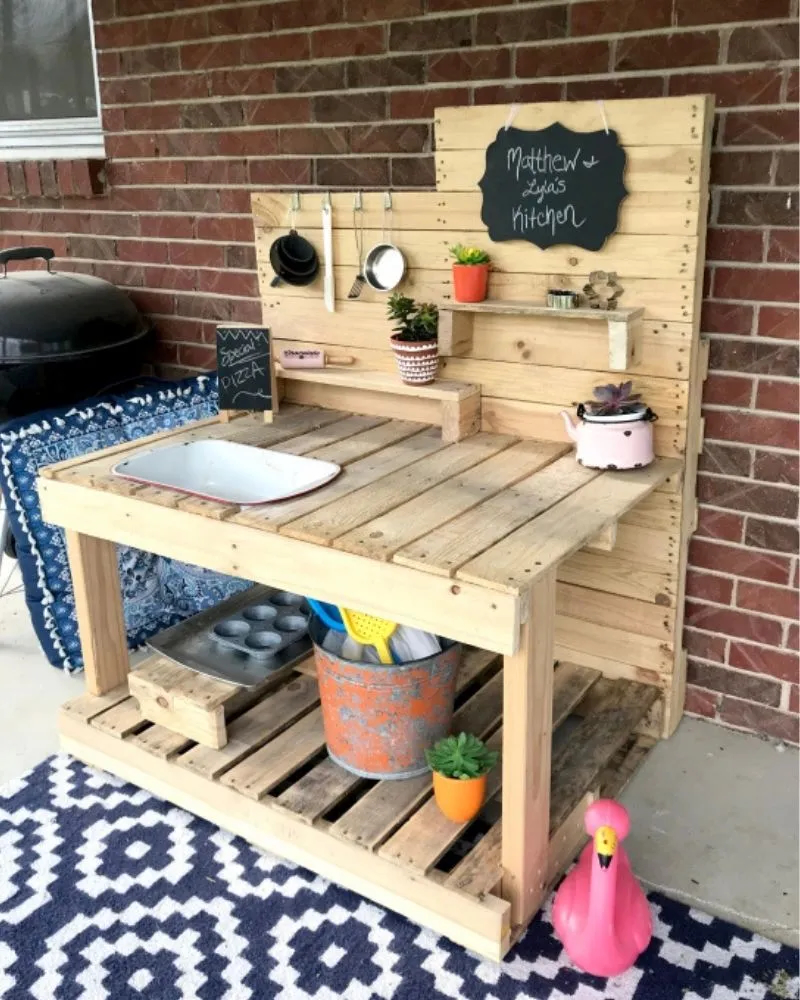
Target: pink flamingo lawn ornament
(600,913)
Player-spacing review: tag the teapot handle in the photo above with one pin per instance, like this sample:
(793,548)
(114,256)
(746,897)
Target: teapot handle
(650,416)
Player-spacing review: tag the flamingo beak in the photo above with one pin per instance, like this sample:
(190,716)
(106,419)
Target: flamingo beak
(605,845)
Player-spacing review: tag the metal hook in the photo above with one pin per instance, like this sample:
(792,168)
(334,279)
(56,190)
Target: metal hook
(358,205)
(295,201)
(326,201)
(387,201)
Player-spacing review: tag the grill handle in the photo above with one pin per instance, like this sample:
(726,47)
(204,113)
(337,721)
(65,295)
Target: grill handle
(25,253)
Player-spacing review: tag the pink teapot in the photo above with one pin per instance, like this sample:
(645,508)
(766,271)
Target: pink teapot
(613,441)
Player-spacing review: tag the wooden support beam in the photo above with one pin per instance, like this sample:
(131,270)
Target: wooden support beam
(605,540)
(527,734)
(98,608)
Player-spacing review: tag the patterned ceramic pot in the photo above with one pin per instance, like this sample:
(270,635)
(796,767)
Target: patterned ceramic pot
(417,360)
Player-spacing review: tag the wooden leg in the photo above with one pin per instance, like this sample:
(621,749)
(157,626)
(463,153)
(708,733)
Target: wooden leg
(527,732)
(98,606)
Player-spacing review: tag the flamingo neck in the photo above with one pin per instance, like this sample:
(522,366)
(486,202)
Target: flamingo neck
(603,894)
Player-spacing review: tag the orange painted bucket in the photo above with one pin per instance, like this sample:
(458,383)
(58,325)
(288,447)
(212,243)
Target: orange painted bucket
(380,718)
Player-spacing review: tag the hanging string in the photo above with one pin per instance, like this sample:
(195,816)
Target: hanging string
(603,113)
(512,114)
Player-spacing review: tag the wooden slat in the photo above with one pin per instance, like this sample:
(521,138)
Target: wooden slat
(264,768)
(620,706)
(450,546)
(406,445)
(640,578)
(647,212)
(323,437)
(537,309)
(378,813)
(327,783)
(481,870)
(441,389)
(86,706)
(381,404)
(335,519)
(649,168)
(160,742)
(577,602)
(512,564)
(254,728)
(381,537)
(642,122)
(570,684)
(122,720)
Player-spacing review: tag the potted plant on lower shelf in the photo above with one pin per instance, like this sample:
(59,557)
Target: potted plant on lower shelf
(416,339)
(460,765)
(615,429)
(470,273)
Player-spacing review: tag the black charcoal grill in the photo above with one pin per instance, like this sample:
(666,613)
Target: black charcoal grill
(63,336)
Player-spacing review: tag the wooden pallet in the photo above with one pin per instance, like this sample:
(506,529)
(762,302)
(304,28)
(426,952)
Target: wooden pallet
(273,784)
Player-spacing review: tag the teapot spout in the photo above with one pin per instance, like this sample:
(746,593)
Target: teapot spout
(571,429)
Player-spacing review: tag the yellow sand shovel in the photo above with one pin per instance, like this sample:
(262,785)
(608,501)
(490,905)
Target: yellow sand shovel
(370,631)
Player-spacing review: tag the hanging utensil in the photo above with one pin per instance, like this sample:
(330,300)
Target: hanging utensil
(358,231)
(369,631)
(385,265)
(293,259)
(327,251)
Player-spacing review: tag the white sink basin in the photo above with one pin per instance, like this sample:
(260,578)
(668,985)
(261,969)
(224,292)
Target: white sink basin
(228,472)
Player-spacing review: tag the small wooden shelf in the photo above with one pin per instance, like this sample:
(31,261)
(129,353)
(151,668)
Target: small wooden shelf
(622,325)
(274,784)
(460,401)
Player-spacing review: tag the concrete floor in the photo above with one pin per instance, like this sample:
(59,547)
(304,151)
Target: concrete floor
(714,813)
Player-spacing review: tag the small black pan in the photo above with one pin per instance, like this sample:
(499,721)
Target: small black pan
(293,259)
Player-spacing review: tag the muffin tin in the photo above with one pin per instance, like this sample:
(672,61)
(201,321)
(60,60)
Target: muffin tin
(263,629)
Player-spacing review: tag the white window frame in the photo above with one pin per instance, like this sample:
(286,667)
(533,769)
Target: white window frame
(57,138)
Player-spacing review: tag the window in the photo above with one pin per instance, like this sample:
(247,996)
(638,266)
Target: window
(49,104)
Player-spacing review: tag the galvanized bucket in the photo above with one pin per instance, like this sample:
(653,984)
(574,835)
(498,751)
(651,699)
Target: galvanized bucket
(379,719)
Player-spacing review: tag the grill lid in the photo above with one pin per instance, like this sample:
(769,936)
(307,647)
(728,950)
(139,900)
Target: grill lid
(47,316)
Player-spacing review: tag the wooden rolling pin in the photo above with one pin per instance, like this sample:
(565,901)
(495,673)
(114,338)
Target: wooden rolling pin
(293,358)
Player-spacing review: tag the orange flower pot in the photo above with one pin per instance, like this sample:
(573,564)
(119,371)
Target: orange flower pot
(460,799)
(470,282)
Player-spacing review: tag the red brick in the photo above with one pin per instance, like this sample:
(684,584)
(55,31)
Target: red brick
(760,128)
(775,501)
(766,43)
(143,251)
(368,10)
(725,460)
(778,322)
(731,89)
(121,34)
(216,172)
(700,702)
(262,49)
(250,142)
(691,48)
(720,524)
(727,390)
(430,34)
(211,54)
(235,201)
(249,80)
(244,311)
(181,329)
(754,357)
(783,246)
(726,317)
(689,12)
(741,624)
(733,167)
(390,139)
(760,719)
(292,14)
(757,208)
(314,141)
(181,86)
(413,171)
(562,59)
(5,181)
(760,660)
(277,111)
(153,303)
(92,248)
(181,279)
(485,64)
(734,244)
(794,699)
(774,536)
(780,601)
(124,275)
(33,181)
(243,284)
(217,114)
(306,77)
(792,86)
(154,171)
(131,146)
(618,16)
(787,172)
(144,62)
(332,43)
(353,172)
(197,254)
(510,27)
(175,227)
(615,88)
(416,104)
(196,356)
(108,64)
(704,646)
(240,20)
(240,257)
(776,467)
(731,682)
(751,428)
(502,93)
(223,229)
(66,181)
(709,587)
(775,395)
(280,172)
(770,567)
(204,307)
(756,284)
(792,636)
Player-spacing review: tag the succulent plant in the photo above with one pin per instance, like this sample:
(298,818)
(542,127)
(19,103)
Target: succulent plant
(610,400)
(463,756)
(469,255)
(415,322)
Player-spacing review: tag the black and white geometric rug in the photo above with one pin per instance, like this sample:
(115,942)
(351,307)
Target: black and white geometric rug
(106,891)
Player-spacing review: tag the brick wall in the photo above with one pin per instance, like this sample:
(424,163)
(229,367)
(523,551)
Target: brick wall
(205,100)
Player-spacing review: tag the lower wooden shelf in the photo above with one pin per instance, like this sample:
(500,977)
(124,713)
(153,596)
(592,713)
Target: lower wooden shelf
(273,784)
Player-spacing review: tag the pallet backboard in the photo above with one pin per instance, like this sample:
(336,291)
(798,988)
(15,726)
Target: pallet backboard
(619,611)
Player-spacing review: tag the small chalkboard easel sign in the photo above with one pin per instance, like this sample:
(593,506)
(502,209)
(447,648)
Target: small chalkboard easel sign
(246,371)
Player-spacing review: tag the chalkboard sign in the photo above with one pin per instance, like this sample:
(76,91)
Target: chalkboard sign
(244,367)
(553,186)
